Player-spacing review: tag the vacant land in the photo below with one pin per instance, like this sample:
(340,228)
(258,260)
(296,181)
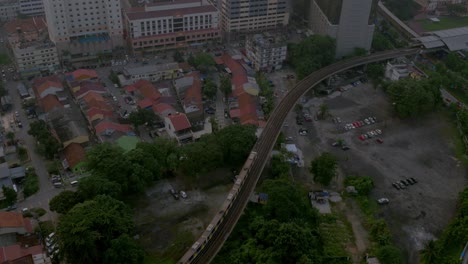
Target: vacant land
(445,23)
(168,227)
(421,148)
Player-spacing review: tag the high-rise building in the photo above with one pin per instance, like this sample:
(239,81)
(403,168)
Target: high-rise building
(348,21)
(8,10)
(84,27)
(31,7)
(252,15)
(266,51)
(169,25)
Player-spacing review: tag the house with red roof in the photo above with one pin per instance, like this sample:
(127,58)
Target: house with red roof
(163,109)
(88,87)
(17,242)
(179,127)
(74,155)
(82,75)
(189,91)
(50,102)
(109,131)
(95,114)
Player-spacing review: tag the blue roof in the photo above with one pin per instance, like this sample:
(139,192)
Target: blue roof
(262,196)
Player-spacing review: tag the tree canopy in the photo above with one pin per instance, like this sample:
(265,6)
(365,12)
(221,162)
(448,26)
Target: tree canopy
(48,145)
(311,54)
(202,62)
(64,201)
(10,195)
(225,85)
(403,9)
(363,184)
(86,232)
(324,168)
(143,117)
(209,88)
(412,98)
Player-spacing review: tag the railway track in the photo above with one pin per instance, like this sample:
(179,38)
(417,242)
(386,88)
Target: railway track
(266,141)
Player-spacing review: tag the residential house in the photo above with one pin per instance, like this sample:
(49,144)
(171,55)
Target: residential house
(94,115)
(189,91)
(18,246)
(109,131)
(75,155)
(46,88)
(81,75)
(69,126)
(50,102)
(150,72)
(89,87)
(179,127)
(163,110)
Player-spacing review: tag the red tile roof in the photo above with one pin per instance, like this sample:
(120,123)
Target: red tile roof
(11,220)
(92,95)
(130,88)
(179,121)
(161,108)
(99,105)
(234,113)
(248,110)
(14,252)
(109,125)
(46,85)
(52,78)
(148,91)
(50,102)
(193,94)
(74,153)
(218,60)
(84,74)
(239,76)
(90,87)
(98,111)
(145,103)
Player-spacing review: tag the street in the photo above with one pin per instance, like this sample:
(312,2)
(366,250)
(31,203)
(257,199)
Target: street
(46,191)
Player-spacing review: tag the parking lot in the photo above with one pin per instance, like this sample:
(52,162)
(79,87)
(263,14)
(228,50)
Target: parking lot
(420,148)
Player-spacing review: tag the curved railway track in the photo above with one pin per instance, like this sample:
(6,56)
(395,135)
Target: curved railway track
(265,144)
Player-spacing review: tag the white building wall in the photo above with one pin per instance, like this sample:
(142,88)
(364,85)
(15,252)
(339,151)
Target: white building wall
(36,58)
(31,7)
(8,10)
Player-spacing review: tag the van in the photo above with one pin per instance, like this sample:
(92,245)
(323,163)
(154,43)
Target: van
(51,235)
(58,185)
(74,183)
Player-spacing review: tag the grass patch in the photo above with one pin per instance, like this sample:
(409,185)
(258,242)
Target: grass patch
(445,23)
(452,132)
(173,253)
(31,184)
(4,59)
(335,234)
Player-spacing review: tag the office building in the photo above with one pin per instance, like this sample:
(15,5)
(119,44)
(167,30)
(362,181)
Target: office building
(84,27)
(348,21)
(34,53)
(31,7)
(250,15)
(169,25)
(266,51)
(8,9)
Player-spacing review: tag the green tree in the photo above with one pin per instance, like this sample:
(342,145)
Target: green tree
(225,86)
(363,184)
(124,250)
(64,201)
(414,97)
(311,54)
(324,168)
(165,151)
(86,232)
(178,56)
(48,145)
(236,142)
(375,72)
(209,88)
(403,9)
(10,195)
(202,62)
(390,255)
(430,253)
(278,166)
(456,9)
(380,42)
(324,110)
(202,156)
(143,117)
(11,137)
(93,186)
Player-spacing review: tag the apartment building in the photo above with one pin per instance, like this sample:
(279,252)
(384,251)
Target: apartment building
(84,27)
(266,51)
(8,9)
(169,25)
(31,7)
(348,21)
(34,53)
(252,15)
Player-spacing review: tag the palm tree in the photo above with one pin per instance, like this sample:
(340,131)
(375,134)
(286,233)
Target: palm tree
(430,253)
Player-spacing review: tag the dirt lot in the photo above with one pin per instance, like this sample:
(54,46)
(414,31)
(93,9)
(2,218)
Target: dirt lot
(166,226)
(419,148)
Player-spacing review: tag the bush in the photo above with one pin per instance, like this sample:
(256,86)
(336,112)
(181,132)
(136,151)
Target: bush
(38,211)
(363,184)
(390,255)
(379,232)
(31,184)
(45,228)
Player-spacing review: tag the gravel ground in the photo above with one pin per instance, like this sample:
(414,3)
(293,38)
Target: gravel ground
(419,148)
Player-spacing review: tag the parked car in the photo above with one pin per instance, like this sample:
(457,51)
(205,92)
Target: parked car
(404,182)
(397,186)
(183,194)
(174,194)
(383,201)
(413,179)
(380,141)
(409,181)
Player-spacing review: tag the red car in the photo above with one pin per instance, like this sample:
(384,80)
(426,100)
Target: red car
(380,141)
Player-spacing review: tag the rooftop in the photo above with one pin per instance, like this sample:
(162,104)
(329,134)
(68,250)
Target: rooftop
(49,102)
(25,26)
(179,121)
(150,69)
(12,219)
(74,154)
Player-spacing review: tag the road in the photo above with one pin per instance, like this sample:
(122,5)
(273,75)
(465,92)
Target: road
(265,144)
(46,191)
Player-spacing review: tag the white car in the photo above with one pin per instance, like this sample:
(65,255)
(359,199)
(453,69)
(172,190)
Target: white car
(183,194)
(383,201)
(16,114)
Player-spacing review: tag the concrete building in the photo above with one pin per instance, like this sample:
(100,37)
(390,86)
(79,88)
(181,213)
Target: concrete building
(171,25)
(348,21)
(84,28)
(179,128)
(251,15)
(31,7)
(34,53)
(151,73)
(8,9)
(266,51)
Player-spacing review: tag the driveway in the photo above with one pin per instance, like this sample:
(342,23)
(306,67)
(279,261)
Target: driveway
(46,191)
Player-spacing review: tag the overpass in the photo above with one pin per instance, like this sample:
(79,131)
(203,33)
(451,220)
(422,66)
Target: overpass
(264,146)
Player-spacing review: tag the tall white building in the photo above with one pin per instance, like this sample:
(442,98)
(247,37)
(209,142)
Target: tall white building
(348,21)
(266,51)
(252,15)
(84,26)
(31,7)
(8,10)
(169,25)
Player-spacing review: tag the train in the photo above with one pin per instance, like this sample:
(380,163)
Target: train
(204,239)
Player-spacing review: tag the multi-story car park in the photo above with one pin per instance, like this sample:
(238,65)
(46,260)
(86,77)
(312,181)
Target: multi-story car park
(170,25)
